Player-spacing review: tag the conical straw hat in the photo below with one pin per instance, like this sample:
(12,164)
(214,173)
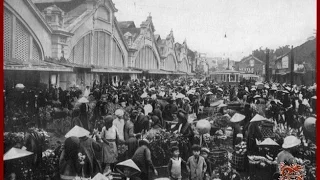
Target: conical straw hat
(268,142)
(100,176)
(237,117)
(134,169)
(77,131)
(15,153)
(258,118)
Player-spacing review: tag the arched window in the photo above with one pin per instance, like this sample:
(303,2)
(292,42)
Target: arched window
(18,42)
(146,59)
(102,46)
(170,63)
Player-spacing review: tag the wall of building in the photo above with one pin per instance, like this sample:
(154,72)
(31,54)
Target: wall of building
(34,26)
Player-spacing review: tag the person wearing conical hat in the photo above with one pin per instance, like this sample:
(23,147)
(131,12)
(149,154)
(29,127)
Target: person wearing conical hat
(289,146)
(68,164)
(254,132)
(89,147)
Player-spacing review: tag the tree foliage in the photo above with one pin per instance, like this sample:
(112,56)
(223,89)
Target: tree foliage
(273,54)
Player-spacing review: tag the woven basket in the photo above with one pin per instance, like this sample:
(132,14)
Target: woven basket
(239,162)
(219,156)
(267,132)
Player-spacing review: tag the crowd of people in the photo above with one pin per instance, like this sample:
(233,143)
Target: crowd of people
(116,126)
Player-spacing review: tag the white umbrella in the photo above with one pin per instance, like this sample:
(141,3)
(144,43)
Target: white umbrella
(217,103)
(314,97)
(222,105)
(257,96)
(180,96)
(144,95)
(83,100)
(219,89)
(77,131)
(15,153)
(209,93)
(191,91)
(20,86)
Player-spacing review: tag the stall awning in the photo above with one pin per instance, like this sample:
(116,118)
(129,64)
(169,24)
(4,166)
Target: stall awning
(68,64)
(158,71)
(17,65)
(115,70)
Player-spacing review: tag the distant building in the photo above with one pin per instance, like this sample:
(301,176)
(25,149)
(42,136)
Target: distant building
(251,65)
(304,65)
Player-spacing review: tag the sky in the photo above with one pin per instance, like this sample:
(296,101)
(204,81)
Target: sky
(247,24)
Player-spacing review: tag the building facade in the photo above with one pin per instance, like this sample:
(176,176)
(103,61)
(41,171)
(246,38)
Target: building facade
(251,65)
(80,42)
(304,57)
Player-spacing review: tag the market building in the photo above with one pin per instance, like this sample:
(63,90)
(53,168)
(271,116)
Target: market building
(304,57)
(143,51)
(74,43)
(169,61)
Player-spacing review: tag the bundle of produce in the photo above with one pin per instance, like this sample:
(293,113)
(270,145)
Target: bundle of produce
(160,145)
(13,140)
(241,149)
(220,121)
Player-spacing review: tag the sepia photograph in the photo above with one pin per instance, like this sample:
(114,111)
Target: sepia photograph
(159,89)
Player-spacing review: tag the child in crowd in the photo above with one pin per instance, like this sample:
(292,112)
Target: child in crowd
(196,164)
(174,166)
(204,153)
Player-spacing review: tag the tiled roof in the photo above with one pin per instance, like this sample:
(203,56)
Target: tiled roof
(126,24)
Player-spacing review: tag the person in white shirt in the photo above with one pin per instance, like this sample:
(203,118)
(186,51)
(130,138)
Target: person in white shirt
(119,123)
(87,92)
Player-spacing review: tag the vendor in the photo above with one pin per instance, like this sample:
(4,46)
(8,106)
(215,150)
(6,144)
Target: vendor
(254,133)
(290,143)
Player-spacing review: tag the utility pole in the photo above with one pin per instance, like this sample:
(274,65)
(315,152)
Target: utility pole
(292,66)
(228,64)
(267,65)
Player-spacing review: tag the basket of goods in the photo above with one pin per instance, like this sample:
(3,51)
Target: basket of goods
(219,156)
(267,129)
(239,157)
(264,166)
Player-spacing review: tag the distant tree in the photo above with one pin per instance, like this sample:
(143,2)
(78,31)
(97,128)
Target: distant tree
(261,53)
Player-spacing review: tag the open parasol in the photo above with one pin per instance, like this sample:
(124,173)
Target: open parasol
(15,153)
(180,96)
(127,168)
(83,100)
(77,131)
(217,103)
(100,176)
(20,86)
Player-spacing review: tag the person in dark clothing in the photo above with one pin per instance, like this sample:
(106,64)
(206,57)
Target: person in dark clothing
(204,152)
(254,133)
(84,115)
(141,122)
(157,112)
(248,113)
(142,158)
